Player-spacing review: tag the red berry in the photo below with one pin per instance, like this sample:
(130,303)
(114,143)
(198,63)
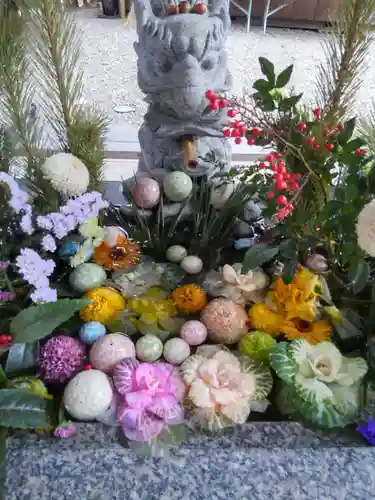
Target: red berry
(317,112)
(270,158)
(270,196)
(279,177)
(226,132)
(281,200)
(290,207)
(231,113)
(274,168)
(4,339)
(250,141)
(296,176)
(302,127)
(235,124)
(210,95)
(360,152)
(281,166)
(87,367)
(262,165)
(213,106)
(326,132)
(243,129)
(223,103)
(277,155)
(256,131)
(294,186)
(286,176)
(281,185)
(340,128)
(330,147)
(238,140)
(316,146)
(310,141)
(235,132)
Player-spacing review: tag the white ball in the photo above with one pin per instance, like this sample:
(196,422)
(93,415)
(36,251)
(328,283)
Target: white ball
(177,186)
(192,264)
(176,253)
(107,351)
(88,395)
(176,351)
(149,348)
(193,332)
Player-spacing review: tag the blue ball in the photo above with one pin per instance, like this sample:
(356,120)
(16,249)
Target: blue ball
(68,248)
(91,331)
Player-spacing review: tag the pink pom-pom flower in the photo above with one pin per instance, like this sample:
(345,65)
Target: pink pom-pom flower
(61,358)
(151,395)
(65,430)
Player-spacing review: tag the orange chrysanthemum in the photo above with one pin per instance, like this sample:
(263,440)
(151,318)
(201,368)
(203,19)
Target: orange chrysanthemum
(264,319)
(124,254)
(189,299)
(314,332)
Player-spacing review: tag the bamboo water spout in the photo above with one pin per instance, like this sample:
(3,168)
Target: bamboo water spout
(190,152)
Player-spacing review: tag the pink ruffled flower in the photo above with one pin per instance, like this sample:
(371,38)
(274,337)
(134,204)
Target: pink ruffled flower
(65,430)
(151,395)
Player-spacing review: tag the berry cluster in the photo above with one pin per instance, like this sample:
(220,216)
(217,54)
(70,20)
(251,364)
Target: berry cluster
(5,340)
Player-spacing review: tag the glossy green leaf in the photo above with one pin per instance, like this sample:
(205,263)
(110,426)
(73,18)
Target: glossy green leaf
(268,103)
(288,249)
(36,322)
(284,77)
(268,70)
(359,276)
(347,133)
(20,409)
(257,255)
(3,458)
(262,86)
(21,357)
(355,144)
(282,362)
(290,269)
(289,102)
(3,378)
(308,243)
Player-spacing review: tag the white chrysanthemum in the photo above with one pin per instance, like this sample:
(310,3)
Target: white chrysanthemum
(366,228)
(67,174)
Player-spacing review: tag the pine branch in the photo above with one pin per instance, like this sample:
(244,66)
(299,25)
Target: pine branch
(346,47)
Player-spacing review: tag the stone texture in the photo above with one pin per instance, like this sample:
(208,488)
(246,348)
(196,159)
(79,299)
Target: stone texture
(259,461)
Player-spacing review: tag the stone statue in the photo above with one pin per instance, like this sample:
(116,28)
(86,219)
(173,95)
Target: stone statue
(179,58)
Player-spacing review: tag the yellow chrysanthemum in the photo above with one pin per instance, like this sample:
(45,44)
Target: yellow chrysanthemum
(154,314)
(105,303)
(314,332)
(189,299)
(264,319)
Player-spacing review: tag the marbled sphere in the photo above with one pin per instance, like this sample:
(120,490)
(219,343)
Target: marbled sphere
(86,277)
(226,321)
(146,192)
(90,332)
(109,350)
(149,348)
(177,186)
(176,351)
(193,332)
(88,395)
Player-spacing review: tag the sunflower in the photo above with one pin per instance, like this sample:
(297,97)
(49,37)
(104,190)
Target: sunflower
(314,332)
(264,319)
(124,254)
(189,299)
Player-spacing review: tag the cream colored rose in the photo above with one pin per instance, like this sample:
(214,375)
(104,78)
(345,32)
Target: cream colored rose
(366,228)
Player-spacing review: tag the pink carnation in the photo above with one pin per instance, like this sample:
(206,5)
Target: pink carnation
(61,358)
(151,395)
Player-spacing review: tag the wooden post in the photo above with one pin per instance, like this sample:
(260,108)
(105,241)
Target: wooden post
(190,152)
(121,4)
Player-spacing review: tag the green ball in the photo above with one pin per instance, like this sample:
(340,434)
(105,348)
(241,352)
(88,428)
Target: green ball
(87,276)
(256,345)
(177,186)
(149,348)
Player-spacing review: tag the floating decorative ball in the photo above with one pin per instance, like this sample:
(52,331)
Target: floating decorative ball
(87,276)
(90,332)
(176,350)
(149,348)
(192,264)
(226,321)
(177,186)
(60,358)
(256,345)
(105,303)
(146,192)
(193,332)
(88,395)
(69,247)
(176,253)
(109,350)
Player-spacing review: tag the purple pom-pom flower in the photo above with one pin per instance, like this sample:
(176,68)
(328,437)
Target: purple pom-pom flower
(61,358)
(367,429)
(65,430)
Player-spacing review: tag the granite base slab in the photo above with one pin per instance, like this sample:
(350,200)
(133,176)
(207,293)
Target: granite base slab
(259,461)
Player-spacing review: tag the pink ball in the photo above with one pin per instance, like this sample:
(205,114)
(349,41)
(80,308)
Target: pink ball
(225,321)
(193,332)
(107,351)
(146,192)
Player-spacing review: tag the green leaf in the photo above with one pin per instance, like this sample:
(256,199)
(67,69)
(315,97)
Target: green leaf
(284,77)
(347,133)
(290,269)
(355,144)
(282,362)
(359,275)
(3,458)
(267,102)
(173,435)
(19,409)
(36,322)
(288,249)
(262,86)
(289,102)
(268,70)
(172,276)
(3,379)
(308,242)
(21,357)
(257,255)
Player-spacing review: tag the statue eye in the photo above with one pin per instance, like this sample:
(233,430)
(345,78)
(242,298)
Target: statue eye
(207,64)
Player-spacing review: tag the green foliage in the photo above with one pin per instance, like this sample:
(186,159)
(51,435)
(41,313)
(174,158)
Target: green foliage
(20,409)
(172,276)
(21,357)
(257,255)
(36,322)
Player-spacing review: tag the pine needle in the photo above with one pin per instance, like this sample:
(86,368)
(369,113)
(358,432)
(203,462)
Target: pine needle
(346,47)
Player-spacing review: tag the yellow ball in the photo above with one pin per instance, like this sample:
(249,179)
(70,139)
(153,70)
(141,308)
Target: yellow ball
(105,303)
(256,345)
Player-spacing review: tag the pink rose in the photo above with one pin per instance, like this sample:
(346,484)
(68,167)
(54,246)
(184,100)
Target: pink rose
(150,396)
